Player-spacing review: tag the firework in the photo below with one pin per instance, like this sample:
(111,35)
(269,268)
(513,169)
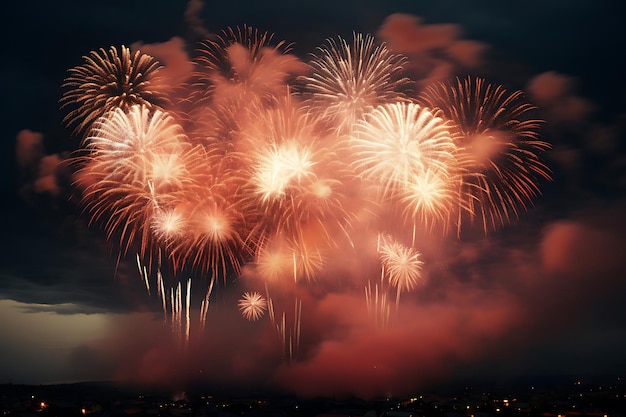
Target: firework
(396,142)
(274,261)
(403,264)
(346,80)
(219,218)
(109,80)
(252,306)
(134,161)
(428,199)
(498,147)
(298,181)
(281,259)
(377,305)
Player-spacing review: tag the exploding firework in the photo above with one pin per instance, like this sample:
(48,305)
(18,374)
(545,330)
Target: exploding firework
(252,306)
(498,147)
(402,265)
(109,80)
(428,199)
(396,142)
(220,222)
(134,162)
(346,80)
(298,181)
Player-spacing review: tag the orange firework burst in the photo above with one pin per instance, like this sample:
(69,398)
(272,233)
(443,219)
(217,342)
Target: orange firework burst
(252,305)
(347,80)
(220,223)
(498,147)
(109,80)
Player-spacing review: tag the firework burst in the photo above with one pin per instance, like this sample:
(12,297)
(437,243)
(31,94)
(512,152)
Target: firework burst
(298,181)
(498,147)
(402,265)
(245,65)
(132,164)
(252,306)
(346,80)
(396,142)
(109,80)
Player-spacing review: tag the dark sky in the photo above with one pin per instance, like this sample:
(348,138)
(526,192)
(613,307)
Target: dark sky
(542,295)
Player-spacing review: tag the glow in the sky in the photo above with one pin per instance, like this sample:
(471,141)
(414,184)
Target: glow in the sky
(265,169)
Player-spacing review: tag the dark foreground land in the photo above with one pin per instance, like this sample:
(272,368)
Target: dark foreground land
(559,397)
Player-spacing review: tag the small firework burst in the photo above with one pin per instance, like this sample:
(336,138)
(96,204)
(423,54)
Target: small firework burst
(252,306)
(402,264)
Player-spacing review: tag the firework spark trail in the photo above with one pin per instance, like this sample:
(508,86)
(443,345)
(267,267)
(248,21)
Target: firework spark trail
(162,292)
(204,307)
(270,305)
(377,307)
(143,272)
(288,333)
(187,313)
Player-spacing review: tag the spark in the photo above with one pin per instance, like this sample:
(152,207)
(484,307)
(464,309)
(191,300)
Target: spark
(396,142)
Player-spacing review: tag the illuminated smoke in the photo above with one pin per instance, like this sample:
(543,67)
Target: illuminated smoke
(302,178)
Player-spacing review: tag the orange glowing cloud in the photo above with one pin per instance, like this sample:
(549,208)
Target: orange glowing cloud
(555,94)
(435,51)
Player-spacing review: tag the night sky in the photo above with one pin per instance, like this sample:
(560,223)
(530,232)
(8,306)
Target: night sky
(542,295)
